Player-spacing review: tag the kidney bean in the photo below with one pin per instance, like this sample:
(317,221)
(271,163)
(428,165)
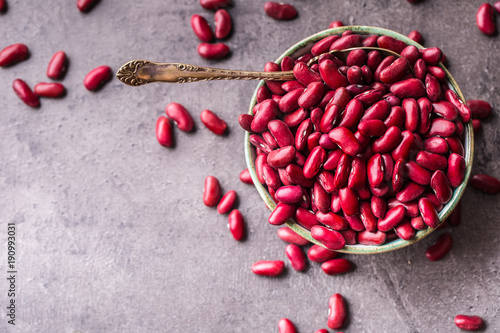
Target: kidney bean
(306,218)
(236,224)
(441,186)
(432,55)
(388,141)
(213,122)
(245,177)
(463,109)
(332,220)
(260,143)
(268,268)
(405,146)
(405,230)
(320,254)
(431,161)
(286,326)
(211,192)
(469,323)
(288,235)
(281,213)
(416,36)
(437,72)
(297,257)
(417,173)
(373,60)
(331,239)
(327,180)
(418,223)
(331,75)
(281,133)
(214,4)
(392,218)
(408,88)
(227,202)
(441,127)
(314,162)
(313,140)
(370,97)
(352,114)
(349,201)
(53,90)
(367,217)
(434,200)
(342,172)
(371,238)
(395,71)
(485,19)
(346,42)
(391,43)
(372,127)
(268,111)
(336,266)
(260,161)
(337,312)
(370,41)
(335,24)
(433,88)
(86,5)
(440,248)
(357,175)
(323,45)
(375,170)
(290,101)
(289,194)
(345,140)
(332,159)
(456,169)
(436,145)
(410,192)
(97,77)
(384,63)
(445,110)
(487,184)
(24,92)
(476,125)
(455,145)
(320,198)
(201,28)
(245,121)
(269,140)
(396,117)
(312,95)
(355,75)
(304,74)
(280,11)
(295,118)
(3,6)
(164,133)
(378,207)
(280,158)
(411,54)
(180,116)
(398,173)
(479,108)
(428,213)
(57,66)
(420,69)
(223,24)
(213,51)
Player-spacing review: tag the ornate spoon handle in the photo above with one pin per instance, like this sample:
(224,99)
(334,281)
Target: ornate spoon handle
(140,72)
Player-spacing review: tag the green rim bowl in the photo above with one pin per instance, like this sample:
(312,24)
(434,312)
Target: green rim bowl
(305,46)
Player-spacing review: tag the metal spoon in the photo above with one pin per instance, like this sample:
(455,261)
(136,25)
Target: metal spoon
(140,72)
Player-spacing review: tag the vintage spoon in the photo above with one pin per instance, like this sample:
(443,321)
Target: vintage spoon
(140,72)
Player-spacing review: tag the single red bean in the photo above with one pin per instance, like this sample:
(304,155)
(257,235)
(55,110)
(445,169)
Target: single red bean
(53,90)
(288,235)
(392,218)
(469,323)
(479,109)
(441,127)
(463,109)
(296,256)
(455,145)
(355,75)
(227,202)
(332,159)
(487,184)
(214,4)
(323,45)
(428,213)
(213,122)
(388,141)
(418,174)
(57,65)
(320,254)
(436,145)
(327,181)
(260,161)
(420,69)
(213,51)
(433,88)
(395,71)
(440,248)
(306,218)
(245,121)
(305,58)
(280,11)
(164,132)
(431,161)
(286,326)
(441,187)
(223,24)
(211,192)
(320,198)
(384,63)
(370,41)
(391,43)
(268,268)
(446,110)
(375,170)
(180,116)
(396,116)
(331,239)
(86,5)
(245,177)
(97,77)
(349,201)
(313,140)
(345,140)
(370,97)
(236,224)
(355,223)
(331,75)
(304,74)
(201,28)
(337,312)
(2,6)
(371,238)
(410,192)
(432,55)
(260,143)
(289,194)
(456,169)
(352,114)
(281,213)
(367,216)
(485,19)
(336,266)
(405,146)
(281,132)
(418,223)
(335,24)
(312,96)
(295,118)
(24,92)
(268,111)
(290,101)
(416,36)
(314,162)
(437,72)
(476,125)
(346,42)
(405,230)
(411,53)
(378,206)
(372,127)
(408,88)
(357,175)
(280,158)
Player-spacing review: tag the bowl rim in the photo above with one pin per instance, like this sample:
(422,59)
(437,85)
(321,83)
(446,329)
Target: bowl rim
(398,243)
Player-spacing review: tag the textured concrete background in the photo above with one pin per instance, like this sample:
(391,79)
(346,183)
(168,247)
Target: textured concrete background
(112,233)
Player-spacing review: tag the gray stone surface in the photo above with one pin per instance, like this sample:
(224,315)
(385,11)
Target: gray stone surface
(112,235)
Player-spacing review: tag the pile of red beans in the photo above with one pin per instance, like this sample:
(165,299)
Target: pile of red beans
(362,150)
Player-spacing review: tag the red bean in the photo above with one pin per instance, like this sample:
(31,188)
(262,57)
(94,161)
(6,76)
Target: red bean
(13,54)
(479,109)
(336,266)
(392,218)
(408,88)
(268,267)
(487,184)
(372,127)
(296,256)
(245,121)
(485,19)
(97,77)
(405,230)
(53,90)
(24,92)
(164,133)
(236,224)
(86,5)
(441,187)
(211,192)
(395,71)
(337,312)
(469,323)
(410,192)
(417,173)
(357,175)
(201,28)
(416,36)
(280,11)
(463,109)
(57,66)
(352,114)
(268,111)
(431,56)
(331,239)
(213,122)
(436,145)
(335,24)
(2,6)
(411,53)
(214,4)
(288,235)
(420,69)
(281,213)
(312,96)
(428,213)
(289,194)
(387,42)
(223,24)
(213,51)
(388,141)
(331,75)
(456,169)
(227,202)
(440,248)
(431,161)
(286,326)
(370,41)
(346,42)
(323,45)
(433,88)
(375,170)
(306,218)
(314,162)
(345,140)
(320,254)
(180,116)
(245,177)
(445,110)
(370,238)
(405,146)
